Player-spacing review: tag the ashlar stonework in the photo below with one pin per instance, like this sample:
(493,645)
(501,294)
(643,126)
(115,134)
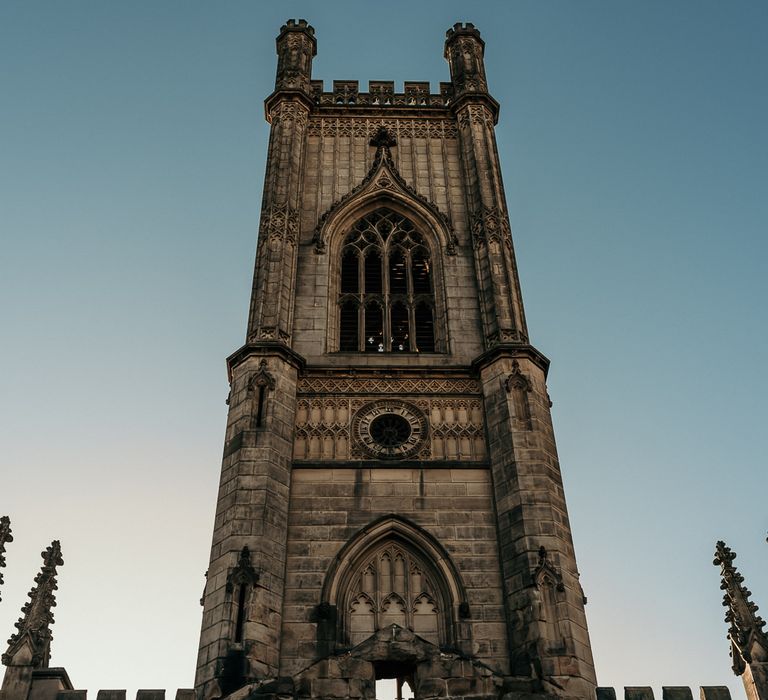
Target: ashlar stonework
(390,502)
(395,480)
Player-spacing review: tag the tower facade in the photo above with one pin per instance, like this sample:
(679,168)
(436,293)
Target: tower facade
(390,503)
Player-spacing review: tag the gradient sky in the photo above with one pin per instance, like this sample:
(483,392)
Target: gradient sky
(132,145)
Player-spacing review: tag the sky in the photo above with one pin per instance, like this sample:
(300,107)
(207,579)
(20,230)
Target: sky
(633,144)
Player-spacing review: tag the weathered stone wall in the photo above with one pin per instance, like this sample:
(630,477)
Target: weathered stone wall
(329,506)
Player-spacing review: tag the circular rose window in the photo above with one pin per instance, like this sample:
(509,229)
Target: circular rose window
(390,429)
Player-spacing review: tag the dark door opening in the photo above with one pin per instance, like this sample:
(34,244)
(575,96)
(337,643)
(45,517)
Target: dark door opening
(394,680)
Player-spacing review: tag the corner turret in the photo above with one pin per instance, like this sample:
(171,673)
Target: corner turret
(464,51)
(296,47)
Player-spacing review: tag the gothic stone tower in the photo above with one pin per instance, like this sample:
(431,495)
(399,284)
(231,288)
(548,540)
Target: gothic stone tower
(390,504)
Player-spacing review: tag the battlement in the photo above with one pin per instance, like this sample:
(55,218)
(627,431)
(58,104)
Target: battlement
(669,692)
(675,692)
(463,28)
(298,24)
(381,93)
(181,694)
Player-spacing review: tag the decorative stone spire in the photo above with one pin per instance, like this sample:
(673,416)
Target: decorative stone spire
(749,643)
(34,625)
(5,537)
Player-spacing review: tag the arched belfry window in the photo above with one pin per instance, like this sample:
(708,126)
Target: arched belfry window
(386,292)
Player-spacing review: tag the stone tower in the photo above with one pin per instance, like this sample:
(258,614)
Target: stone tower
(390,504)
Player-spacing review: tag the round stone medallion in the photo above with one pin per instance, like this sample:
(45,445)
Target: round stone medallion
(389,429)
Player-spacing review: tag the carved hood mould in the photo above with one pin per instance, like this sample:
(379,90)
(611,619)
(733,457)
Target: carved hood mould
(385,181)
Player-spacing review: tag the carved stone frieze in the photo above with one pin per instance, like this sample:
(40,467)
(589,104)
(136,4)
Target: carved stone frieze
(328,427)
(366,128)
(387,385)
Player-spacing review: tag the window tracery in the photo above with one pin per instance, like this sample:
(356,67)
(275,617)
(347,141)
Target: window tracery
(392,586)
(386,295)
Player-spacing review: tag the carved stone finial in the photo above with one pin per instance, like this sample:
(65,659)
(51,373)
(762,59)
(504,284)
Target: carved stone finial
(383,138)
(243,571)
(748,640)
(34,626)
(5,537)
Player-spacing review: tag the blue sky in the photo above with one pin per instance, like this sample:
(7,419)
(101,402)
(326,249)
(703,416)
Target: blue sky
(633,142)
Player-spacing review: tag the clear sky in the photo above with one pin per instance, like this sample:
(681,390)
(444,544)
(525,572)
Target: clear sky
(132,149)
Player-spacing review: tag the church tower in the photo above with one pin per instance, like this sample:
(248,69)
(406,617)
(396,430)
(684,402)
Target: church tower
(390,503)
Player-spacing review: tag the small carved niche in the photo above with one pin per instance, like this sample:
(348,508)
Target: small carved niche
(549,586)
(259,384)
(240,583)
(519,387)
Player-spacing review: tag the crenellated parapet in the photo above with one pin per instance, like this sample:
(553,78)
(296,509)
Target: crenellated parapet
(142,694)
(382,93)
(669,692)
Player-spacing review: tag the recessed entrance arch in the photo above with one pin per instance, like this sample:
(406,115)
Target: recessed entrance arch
(394,573)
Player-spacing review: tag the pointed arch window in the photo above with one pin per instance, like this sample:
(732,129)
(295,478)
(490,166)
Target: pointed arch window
(391,585)
(386,293)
